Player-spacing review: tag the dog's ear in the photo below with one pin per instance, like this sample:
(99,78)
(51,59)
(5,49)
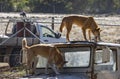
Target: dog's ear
(98,28)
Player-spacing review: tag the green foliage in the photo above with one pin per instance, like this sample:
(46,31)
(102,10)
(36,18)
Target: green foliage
(60,6)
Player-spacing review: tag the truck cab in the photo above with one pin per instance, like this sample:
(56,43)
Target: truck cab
(34,30)
(86,60)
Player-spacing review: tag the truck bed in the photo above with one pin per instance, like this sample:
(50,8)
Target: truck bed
(17,41)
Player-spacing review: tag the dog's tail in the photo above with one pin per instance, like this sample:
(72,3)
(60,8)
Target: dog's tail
(62,25)
(24,43)
(24,55)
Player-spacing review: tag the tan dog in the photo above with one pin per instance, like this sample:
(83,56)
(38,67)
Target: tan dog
(52,54)
(83,22)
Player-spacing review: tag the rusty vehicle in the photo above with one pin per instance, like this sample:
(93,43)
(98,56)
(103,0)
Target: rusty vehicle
(86,60)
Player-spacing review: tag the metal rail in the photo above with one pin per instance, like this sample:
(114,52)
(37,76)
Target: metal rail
(50,20)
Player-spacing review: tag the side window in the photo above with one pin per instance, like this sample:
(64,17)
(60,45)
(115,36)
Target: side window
(47,32)
(76,59)
(77,56)
(9,28)
(105,59)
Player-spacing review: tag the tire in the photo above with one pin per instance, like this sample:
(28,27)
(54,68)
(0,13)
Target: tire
(15,57)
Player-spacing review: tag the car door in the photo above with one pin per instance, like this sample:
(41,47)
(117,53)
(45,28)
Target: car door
(106,63)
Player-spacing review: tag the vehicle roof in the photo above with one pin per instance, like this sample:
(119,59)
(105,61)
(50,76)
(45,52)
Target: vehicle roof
(108,44)
(86,43)
(75,43)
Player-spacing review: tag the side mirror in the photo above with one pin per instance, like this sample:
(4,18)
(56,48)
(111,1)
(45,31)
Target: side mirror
(57,35)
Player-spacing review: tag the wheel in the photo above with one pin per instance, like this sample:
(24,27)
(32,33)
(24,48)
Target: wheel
(15,57)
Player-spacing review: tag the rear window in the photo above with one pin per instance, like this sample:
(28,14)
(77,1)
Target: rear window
(77,57)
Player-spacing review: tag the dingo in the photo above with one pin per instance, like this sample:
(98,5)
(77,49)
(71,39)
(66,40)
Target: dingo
(83,22)
(51,53)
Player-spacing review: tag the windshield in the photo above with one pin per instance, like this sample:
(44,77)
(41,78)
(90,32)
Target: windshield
(47,32)
(76,57)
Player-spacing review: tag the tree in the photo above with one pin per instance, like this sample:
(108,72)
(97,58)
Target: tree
(117,5)
(80,6)
(101,6)
(61,6)
(5,5)
(20,5)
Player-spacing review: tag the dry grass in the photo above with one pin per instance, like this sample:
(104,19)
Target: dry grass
(12,74)
(108,34)
(111,34)
(110,29)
